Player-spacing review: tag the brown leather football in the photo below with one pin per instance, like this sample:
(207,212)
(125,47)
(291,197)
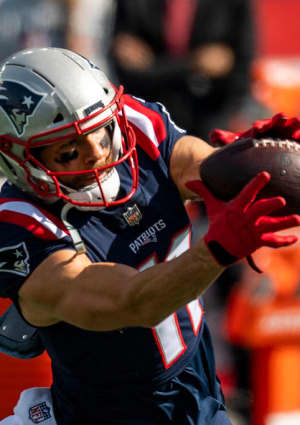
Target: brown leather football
(230,168)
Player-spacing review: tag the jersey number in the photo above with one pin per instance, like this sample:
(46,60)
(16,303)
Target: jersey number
(168,334)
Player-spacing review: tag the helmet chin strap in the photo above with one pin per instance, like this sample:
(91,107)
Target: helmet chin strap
(75,235)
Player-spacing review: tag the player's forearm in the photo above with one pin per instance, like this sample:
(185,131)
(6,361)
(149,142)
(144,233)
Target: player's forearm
(131,298)
(111,296)
(159,291)
(108,296)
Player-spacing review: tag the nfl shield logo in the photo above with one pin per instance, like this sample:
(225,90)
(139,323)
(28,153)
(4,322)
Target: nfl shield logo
(39,413)
(133,215)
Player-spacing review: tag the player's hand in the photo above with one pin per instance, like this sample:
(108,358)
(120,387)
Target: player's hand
(277,127)
(239,227)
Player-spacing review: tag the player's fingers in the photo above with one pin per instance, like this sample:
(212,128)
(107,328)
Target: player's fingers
(277,241)
(275,224)
(265,206)
(249,192)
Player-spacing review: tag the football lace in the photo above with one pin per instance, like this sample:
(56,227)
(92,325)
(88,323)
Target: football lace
(281,144)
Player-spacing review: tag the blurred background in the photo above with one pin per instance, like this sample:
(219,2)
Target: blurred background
(213,63)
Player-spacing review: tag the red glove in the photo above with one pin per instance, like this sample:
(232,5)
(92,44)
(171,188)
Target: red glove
(277,127)
(239,227)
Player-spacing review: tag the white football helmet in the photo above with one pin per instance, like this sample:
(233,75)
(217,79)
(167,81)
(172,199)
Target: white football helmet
(51,94)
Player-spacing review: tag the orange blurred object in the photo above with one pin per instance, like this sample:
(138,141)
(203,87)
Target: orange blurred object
(276,84)
(18,374)
(268,304)
(264,316)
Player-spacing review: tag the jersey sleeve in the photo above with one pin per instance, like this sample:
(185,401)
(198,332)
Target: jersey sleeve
(27,237)
(156,132)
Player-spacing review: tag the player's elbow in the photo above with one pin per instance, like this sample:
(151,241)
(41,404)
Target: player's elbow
(143,311)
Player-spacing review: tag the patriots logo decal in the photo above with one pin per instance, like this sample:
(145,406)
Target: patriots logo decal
(20,104)
(14,259)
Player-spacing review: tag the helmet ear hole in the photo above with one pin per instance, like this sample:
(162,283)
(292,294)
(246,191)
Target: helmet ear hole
(59,117)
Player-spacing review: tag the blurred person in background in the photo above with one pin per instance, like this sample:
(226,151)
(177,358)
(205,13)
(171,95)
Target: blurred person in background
(195,56)
(32,23)
(92,38)
(84,26)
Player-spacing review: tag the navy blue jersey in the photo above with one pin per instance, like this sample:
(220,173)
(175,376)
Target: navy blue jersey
(91,370)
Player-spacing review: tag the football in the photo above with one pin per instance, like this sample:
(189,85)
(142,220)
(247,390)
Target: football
(230,168)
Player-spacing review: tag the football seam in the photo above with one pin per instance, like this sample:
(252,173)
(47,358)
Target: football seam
(286,145)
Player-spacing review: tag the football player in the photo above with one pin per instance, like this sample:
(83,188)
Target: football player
(95,246)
